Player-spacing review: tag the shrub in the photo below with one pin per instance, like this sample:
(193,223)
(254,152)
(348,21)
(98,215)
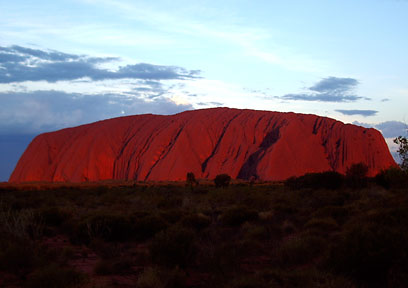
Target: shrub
(247,282)
(172,215)
(255,232)
(324,180)
(303,278)
(222,180)
(146,227)
(196,221)
(170,202)
(113,266)
(17,257)
(339,214)
(221,258)
(162,278)
(150,278)
(23,224)
(173,247)
(402,151)
(107,250)
(235,216)
(108,227)
(53,216)
(299,250)
(356,175)
(366,253)
(392,178)
(191,180)
(53,276)
(322,224)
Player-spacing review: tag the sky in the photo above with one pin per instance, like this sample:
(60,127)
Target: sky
(69,62)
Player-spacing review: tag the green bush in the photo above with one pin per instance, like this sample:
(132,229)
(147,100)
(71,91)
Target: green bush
(173,247)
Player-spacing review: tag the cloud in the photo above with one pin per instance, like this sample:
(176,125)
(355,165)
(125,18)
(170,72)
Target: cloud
(39,111)
(39,54)
(334,85)
(393,128)
(364,113)
(331,89)
(213,103)
(322,97)
(390,129)
(19,64)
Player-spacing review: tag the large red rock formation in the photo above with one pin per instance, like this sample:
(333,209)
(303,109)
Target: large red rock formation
(242,143)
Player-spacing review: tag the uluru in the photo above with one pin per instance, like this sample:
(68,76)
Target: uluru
(245,144)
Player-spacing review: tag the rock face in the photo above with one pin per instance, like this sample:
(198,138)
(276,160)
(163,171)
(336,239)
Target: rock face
(242,143)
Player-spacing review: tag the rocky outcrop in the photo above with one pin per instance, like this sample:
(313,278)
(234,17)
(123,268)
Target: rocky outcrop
(242,143)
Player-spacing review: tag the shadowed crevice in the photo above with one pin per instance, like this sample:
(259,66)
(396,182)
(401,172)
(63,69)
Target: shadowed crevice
(248,170)
(204,165)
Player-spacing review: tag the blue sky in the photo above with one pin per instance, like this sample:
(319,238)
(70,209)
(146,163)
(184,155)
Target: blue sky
(65,63)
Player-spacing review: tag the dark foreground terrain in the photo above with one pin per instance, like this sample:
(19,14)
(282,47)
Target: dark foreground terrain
(304,233)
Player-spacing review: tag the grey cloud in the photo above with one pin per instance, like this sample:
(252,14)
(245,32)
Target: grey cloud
(20,64)
(41,54)
(331,89)
(385,100)
(334,85)
(39,111)
(7,57)
(322,97)
(364,113)
(210,103)
(390,129)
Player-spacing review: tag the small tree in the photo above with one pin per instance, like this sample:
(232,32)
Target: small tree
(356,175)
(402,151)
(222,180)
(191,180)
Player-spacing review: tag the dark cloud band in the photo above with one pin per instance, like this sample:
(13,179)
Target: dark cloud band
(331,89)
(364,113)
(19,64)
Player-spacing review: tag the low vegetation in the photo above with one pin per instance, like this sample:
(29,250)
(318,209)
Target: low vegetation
(318,230)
